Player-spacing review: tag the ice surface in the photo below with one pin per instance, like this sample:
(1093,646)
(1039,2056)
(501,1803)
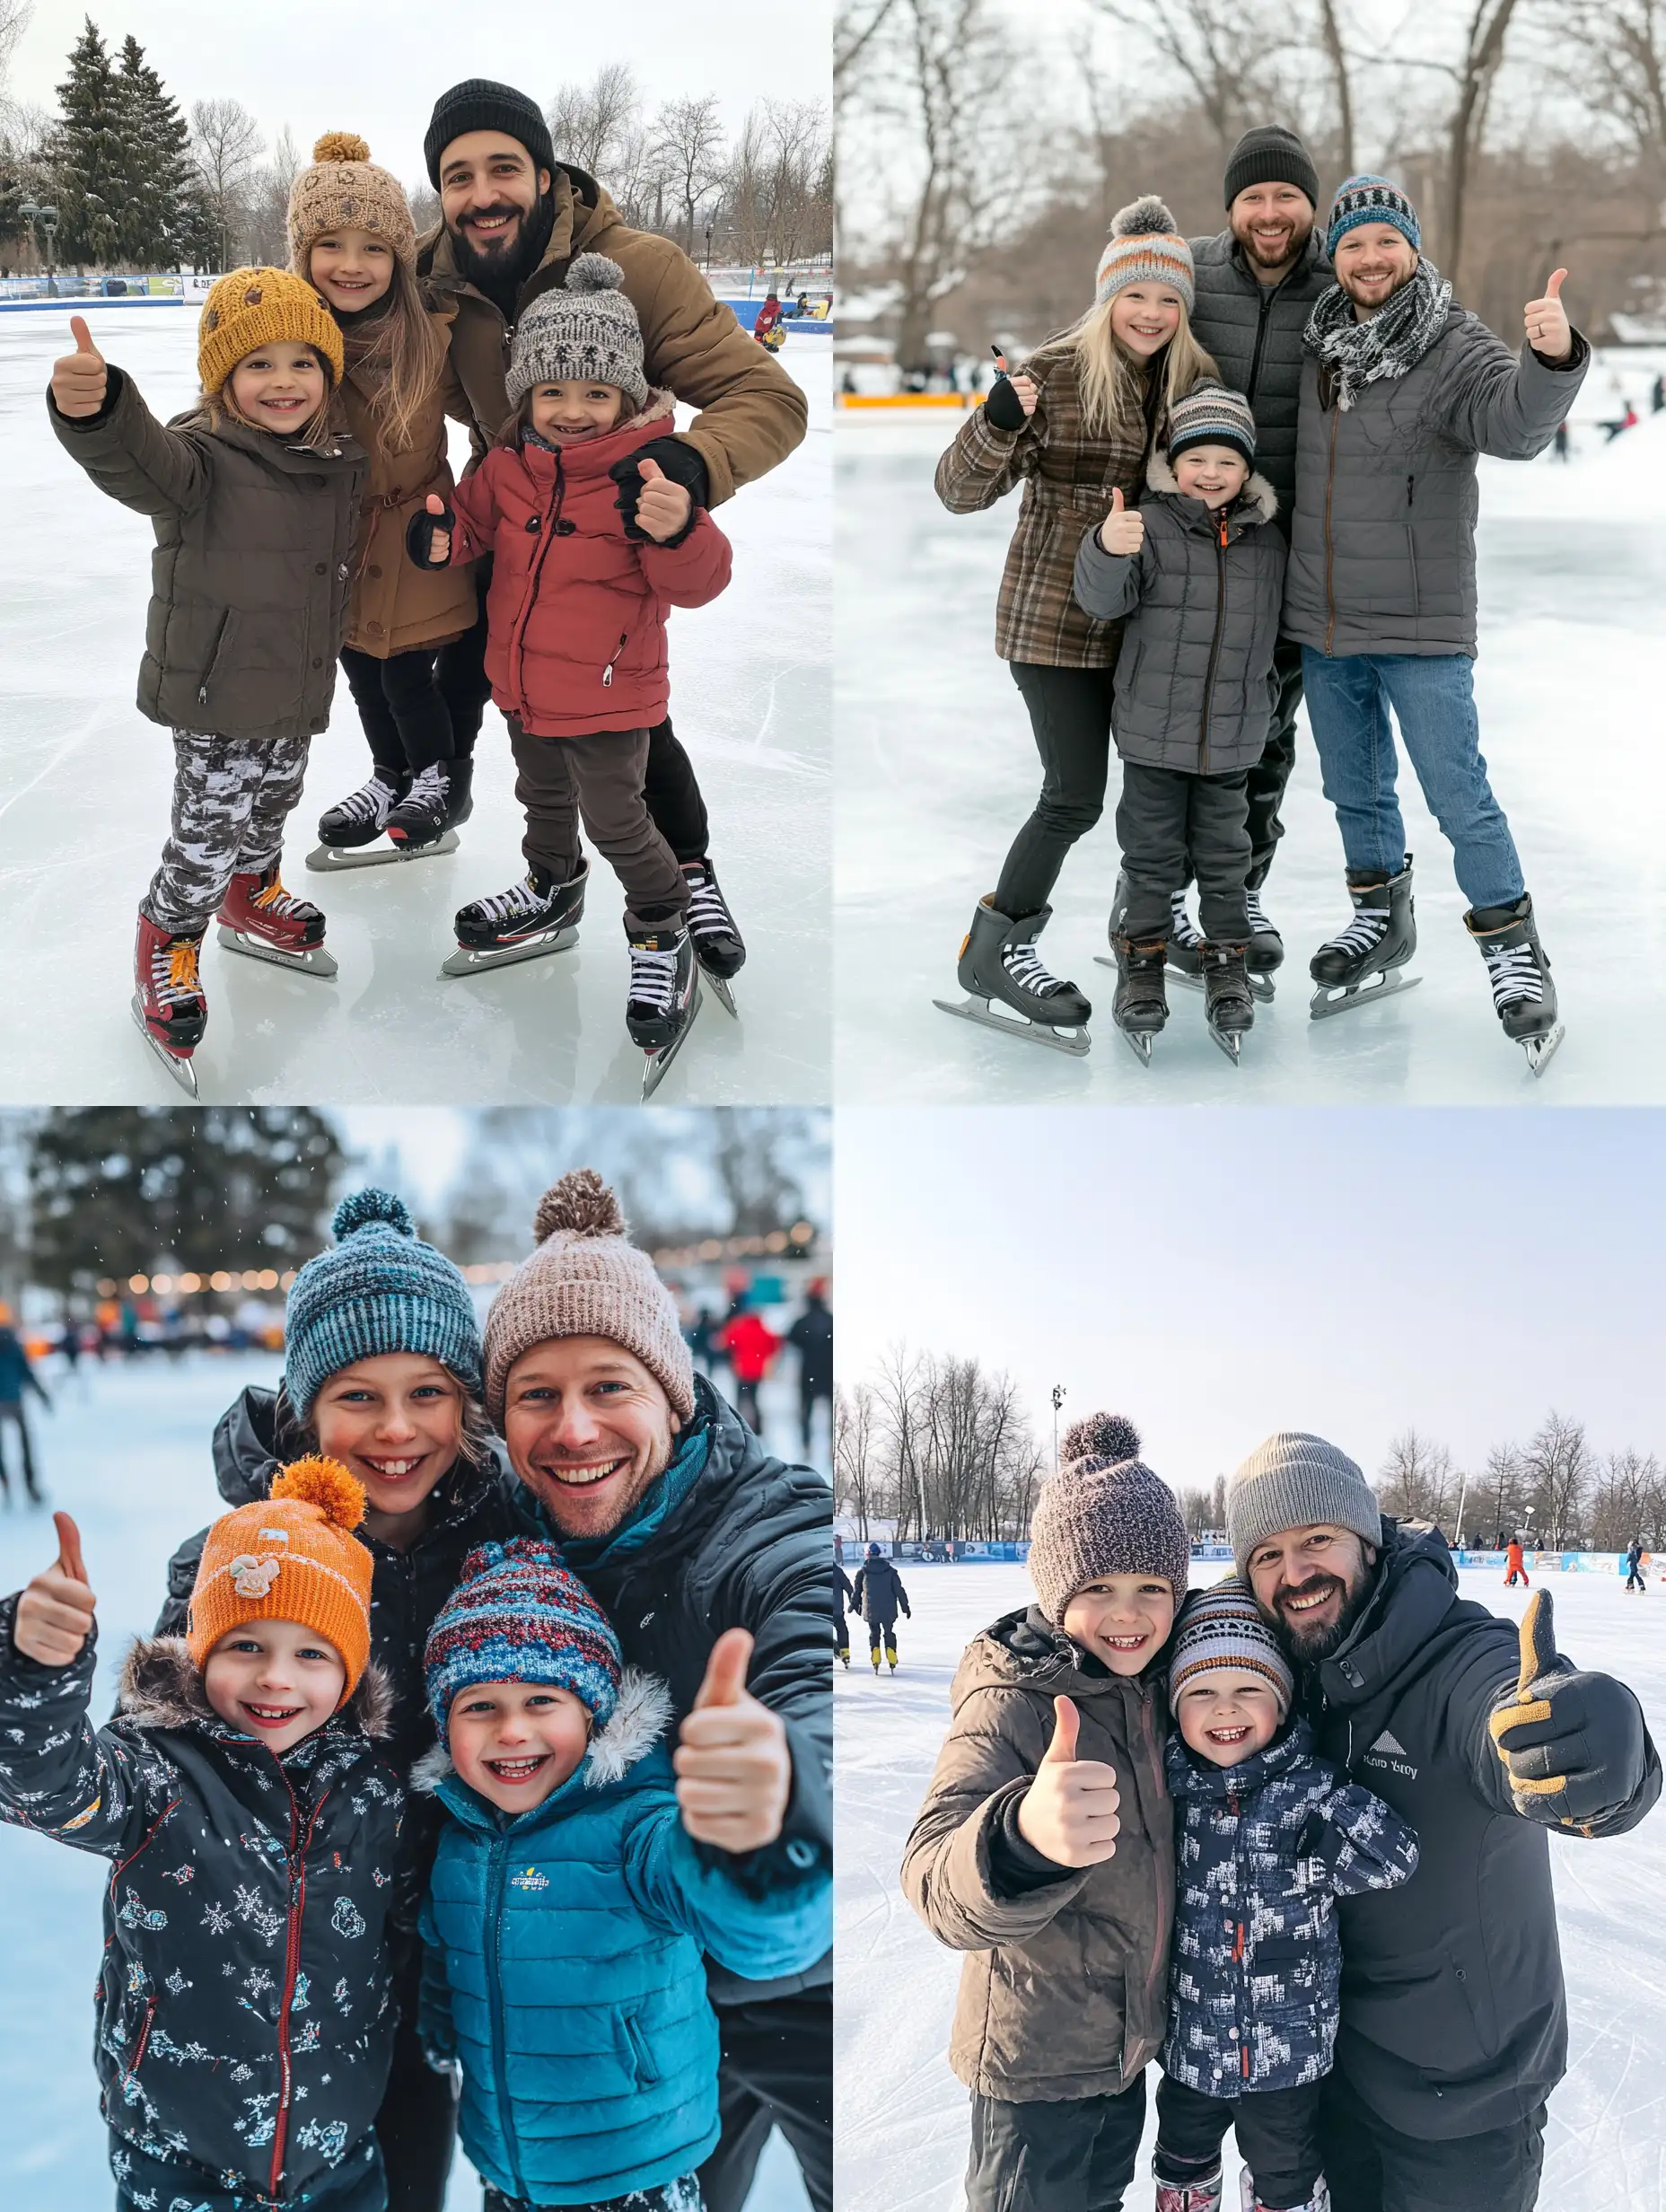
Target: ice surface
(902,2115)
(126,1451)
(936,770)
(83,801)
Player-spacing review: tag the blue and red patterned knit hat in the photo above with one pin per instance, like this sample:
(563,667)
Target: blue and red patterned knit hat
(1371,199)
(518,1616)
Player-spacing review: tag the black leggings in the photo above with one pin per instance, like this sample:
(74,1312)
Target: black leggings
(406,719)
(1070,714)
(1277,2132)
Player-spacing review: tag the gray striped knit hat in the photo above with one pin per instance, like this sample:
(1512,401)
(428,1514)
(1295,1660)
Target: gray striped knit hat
(1297,1481)
(1103,1512)
(583,332)
(1144,249)
(1220,1627)
(381,1290)
(1212,415)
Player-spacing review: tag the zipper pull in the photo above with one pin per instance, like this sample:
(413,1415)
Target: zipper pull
(606,677)
(202,695)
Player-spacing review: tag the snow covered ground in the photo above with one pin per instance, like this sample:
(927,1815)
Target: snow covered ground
(936,770)
(902,2116)
(126,1451)
(84,803)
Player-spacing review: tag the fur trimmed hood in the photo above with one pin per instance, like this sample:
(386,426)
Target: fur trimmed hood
(640,1719)
(162,1687)
(1160,477)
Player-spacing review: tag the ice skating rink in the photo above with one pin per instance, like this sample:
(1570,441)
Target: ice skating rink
(84,780)
(902,2115)
(126,1451)
(937,768)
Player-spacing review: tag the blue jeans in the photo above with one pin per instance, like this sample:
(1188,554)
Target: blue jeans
(1433,697)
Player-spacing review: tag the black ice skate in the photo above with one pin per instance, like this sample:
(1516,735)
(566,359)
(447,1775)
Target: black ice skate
(1524,998)
(349,833)
(1228,1002)
(1266,950)
(421,821)
(999,966)
(1140,1008)
(1378,941)
(717,944)
(664,996)
(533,917)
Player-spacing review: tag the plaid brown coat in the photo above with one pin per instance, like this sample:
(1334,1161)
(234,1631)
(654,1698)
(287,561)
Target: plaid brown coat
(1068,478)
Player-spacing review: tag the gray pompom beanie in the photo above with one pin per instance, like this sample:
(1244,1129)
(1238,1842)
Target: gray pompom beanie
(1297,1481)
(584,331)
(1103,1512)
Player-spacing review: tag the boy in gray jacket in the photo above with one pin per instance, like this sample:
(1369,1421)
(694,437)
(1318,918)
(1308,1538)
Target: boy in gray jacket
(1198,571)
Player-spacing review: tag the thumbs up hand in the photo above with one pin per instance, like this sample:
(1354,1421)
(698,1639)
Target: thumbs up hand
(80,379)
(54,1614)
(1011,400)
(1069,1811)
(662,507)
(1548,332)
(734,1770)
(1122,530)
(1571,1743)
(428,535)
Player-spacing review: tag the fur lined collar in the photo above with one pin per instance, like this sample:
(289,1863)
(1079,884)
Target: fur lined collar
(640,1719)
(162,1687)
(1257,492)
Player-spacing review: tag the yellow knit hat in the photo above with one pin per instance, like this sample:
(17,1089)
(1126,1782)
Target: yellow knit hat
(344,189)
(289,1557)
(256,307)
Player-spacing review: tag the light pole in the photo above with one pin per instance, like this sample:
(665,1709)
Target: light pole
(45,220)
(1058,1399)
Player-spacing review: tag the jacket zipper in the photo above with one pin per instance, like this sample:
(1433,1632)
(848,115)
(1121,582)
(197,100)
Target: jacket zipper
(606,673)
(144,2037)
(495,1921)
(219,639)
(1237,1946)
(1165,1900)
(546,533)
(1330,478)
(1267,297)
(1215,646)
(291,1967)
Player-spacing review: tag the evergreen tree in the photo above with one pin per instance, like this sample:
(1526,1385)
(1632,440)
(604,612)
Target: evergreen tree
(92,156)
(154,222)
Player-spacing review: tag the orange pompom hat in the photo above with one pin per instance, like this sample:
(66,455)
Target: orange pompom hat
(289,1557)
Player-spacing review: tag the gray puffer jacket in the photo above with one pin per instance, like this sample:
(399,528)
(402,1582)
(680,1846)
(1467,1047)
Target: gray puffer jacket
(1254,331)
(1382,555)
(1195,680)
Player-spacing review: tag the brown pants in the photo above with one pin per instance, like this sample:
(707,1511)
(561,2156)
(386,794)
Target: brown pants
(598,778)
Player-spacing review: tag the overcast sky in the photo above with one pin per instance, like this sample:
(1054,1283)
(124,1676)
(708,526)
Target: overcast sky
(376,66)
(1218,1275)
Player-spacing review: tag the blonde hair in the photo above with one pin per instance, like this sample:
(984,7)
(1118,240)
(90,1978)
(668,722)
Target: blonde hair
(315,432)
(1112,383)
(405,351)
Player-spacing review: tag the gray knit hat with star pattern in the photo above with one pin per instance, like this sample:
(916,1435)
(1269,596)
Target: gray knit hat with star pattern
(584,331)
(1103,1512)
(1297,1481)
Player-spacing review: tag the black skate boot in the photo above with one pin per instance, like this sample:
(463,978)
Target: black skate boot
(531,917)
(1378,941)
(421,821)
(359,821)
(1518,968)
(460,793)
(1228,1002)
(1140,1008)
(1263,955)
(999,962)
(664,996)
(717,944)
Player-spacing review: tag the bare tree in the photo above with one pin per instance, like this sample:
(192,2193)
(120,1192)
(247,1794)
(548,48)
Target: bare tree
(226,145)
(689,140)
(1626,1501)
(266,233)
(1330,39)
(1477,70)
(592,124)
(854,1453)
(1225,52)
(1417,1480)
(854,31)
(1560,1470)
(1505,1486)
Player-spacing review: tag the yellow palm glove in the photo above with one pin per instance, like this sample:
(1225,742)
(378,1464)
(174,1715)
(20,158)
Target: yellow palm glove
(1571,1743)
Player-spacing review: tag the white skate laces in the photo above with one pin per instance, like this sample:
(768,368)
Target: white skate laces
(1259,922)
(518,903)
(653,976)
(275,900)
(1513,974)
(1363,934)
(708,914)
(1181,929)
(372,802)
(1023,964)
(429,786)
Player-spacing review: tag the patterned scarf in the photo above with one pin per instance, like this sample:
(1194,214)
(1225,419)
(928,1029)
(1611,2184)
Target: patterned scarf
(1388,343)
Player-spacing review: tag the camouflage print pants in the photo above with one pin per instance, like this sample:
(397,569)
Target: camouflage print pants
(231,797)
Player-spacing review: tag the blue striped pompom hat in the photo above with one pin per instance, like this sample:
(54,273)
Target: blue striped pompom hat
(1212,415)
(381,1290)
(1371,199)
(518,1616)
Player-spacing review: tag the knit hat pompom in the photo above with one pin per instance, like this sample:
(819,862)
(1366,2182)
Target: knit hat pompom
(340,145)
(594,272)
(338,1496)
(360,1207)
(1110,1436)
(1147,215)
(581,1203)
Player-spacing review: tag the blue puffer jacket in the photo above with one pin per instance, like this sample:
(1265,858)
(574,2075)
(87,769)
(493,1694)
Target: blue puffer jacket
(1265,1848)
(564,1967)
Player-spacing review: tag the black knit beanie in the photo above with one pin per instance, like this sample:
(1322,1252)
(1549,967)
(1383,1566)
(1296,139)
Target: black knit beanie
(479,103)
(1268,154)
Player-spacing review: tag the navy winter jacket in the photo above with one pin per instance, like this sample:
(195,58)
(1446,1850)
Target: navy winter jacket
(877,1593)
(1264,1850)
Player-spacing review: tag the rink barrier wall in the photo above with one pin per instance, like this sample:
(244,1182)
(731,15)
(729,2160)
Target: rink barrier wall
(1553,1562)
(1014,1555)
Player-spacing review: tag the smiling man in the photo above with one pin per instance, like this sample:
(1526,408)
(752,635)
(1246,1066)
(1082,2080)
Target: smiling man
(1454,2021)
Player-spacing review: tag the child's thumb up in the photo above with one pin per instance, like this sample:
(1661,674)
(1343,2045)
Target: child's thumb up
(436,505)
(1066,1721)
(69,1558)
(652,472)
(1117,501)
(83,337)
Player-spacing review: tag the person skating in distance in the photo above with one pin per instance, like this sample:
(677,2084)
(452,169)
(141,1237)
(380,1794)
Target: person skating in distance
(843,1602)
(877,1594)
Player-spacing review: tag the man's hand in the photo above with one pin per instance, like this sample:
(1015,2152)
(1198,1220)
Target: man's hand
(1571,1743)
(79,379)
(1548,332)
(53,1616)
(733,1769)
(1122,530)
(663,508)
(428,536)
(1069,1811)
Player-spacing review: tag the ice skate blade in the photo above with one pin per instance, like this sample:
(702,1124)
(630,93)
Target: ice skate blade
(1231,1042)
(659,1058)
(1323,1005)
(314,962)
(1075,1042)
(473,961)
(332,859)
(1139,1042)
(1541,1050)
(177,1064)
(722,992)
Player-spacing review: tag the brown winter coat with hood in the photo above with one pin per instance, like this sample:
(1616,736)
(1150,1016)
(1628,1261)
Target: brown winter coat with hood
(752,413)
(1064,1990)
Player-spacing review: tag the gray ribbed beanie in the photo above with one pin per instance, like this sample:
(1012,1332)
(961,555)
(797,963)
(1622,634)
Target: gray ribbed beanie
(584,331)
(1212,414)
(1297,1481)
(1103,1512)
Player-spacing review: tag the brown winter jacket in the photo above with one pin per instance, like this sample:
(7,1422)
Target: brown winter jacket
(1068,478)
(752,413)
(1065,1991)
(250,577)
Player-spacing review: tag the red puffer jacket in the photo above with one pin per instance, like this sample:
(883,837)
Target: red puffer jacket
(576,611)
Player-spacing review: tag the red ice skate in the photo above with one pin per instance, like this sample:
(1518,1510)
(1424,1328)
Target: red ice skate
(167,1002)
(258,916)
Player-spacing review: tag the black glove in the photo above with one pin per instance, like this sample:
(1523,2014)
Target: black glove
(1572,1741)
(1002,404)
(419,535)
(681,464)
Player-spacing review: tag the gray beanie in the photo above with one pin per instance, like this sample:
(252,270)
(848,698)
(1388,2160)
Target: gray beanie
(1212,414)
(1297,1481)
(1103,1512)
(584,331)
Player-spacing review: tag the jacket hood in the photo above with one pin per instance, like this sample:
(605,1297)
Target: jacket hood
(1192,1777)
(1024,1650)
(1396,1636)
(1257,500)
(161,1686)
(298,460)
(596,456)
(639,1721)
